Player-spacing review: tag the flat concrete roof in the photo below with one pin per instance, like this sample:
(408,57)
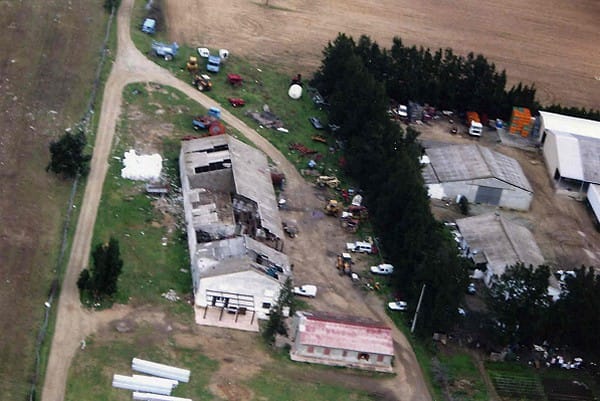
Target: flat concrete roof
(232,255)
(469,162)
(209,207)
(504,243)
(201,152)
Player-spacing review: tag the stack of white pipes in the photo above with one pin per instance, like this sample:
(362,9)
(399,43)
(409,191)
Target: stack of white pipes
(156,397)
(160,370)
(142,384)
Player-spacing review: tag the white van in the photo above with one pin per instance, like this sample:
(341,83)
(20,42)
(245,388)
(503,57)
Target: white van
(360,247)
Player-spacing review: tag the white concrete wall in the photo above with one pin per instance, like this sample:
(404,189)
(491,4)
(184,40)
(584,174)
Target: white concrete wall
(187,208)
(336,357)
(512,197)
(593,196)
(550,153)
(262,287)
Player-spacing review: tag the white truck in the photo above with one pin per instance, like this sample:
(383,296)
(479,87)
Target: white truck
(359,247)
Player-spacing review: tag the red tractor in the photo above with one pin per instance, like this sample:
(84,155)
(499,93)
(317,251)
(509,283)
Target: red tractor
(235,79)
(236,101)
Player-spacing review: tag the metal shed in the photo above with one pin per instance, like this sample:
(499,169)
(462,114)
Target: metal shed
(499,243)
(479,174)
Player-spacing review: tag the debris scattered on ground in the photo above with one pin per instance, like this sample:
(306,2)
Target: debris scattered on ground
(171,295)
(266,118)
(304,150)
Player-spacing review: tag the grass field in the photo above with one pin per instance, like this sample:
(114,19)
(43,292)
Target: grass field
(262,86)
(45,90)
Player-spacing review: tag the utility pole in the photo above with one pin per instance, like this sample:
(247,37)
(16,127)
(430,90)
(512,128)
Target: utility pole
(414,322)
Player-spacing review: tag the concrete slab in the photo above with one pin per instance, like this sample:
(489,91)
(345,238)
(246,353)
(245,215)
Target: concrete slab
(216,317)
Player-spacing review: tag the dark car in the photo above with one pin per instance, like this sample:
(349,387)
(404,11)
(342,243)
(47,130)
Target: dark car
(315,122)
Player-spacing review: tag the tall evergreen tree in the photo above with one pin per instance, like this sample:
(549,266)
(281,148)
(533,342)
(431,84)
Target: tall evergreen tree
(577,320)
(520,300)
(67,155)
(101,279)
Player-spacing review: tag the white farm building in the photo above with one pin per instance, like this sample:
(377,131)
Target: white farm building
(571,148)
(477,173)
(234,231)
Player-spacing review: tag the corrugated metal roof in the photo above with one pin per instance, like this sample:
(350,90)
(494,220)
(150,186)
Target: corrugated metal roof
(578,157)
(469,162)
(252,179)
(503,242)
(342,332)
(572,125)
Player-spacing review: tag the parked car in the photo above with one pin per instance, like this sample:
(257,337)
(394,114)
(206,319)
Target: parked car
(471,289)
(383,269)
(360,247)
(316,123)
(306,290)
(462,312)
(398,305)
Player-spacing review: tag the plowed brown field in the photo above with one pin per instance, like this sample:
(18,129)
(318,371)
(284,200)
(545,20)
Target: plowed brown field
(552,43)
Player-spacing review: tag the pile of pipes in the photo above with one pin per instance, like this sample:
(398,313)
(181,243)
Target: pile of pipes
(157,383)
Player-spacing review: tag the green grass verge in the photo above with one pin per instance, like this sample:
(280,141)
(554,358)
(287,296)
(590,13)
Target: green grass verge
(263,85)
(91,373)
(464,378)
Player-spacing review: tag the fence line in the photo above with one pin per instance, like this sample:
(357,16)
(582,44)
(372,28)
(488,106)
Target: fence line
(54,288)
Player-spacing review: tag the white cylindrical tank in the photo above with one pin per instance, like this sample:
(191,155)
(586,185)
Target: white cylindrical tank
(295,91)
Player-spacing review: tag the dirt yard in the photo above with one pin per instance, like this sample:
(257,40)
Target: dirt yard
(550,42)
(561,224)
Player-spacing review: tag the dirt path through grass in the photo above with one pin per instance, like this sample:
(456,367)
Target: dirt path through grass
(74,323)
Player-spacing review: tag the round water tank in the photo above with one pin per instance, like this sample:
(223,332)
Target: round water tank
(224,54)
(295,91)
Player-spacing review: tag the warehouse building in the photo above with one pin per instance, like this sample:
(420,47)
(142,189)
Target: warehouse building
(571,148)
(493,243)
(477,173)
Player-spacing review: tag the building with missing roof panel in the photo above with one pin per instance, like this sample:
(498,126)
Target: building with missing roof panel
(234,231)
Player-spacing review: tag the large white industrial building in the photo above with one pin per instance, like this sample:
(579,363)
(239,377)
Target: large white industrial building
(571,148)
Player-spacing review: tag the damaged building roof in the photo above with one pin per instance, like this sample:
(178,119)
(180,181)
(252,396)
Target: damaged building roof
(238,254)
(252,179)
(249,168)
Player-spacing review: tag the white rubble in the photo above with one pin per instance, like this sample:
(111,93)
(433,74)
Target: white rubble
(141,167)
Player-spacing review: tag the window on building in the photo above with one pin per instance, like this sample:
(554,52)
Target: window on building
(379,358)
(344,353)
(266,305)
(363,356)
(310,349)
(326,351)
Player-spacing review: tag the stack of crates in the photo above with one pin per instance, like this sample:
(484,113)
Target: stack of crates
(521,122)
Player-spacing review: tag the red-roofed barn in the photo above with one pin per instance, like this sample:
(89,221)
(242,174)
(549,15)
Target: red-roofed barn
(342,341)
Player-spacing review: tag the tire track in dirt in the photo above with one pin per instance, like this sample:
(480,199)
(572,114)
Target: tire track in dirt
(75,323)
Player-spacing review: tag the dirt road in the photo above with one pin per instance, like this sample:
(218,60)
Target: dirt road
(75,323)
